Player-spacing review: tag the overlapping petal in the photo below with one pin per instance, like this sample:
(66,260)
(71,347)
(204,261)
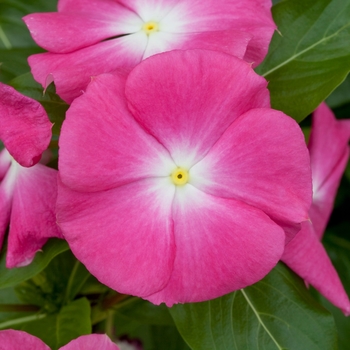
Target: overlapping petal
(69,31)
(91,342)
(25,128)
(107,161)
(329,154)
(72,72)
(124,236)
(221,245)
(243,29)
(227,41)
(33,217)
(11,339)
(306,256)
(19,340)
(257,160)
(202,103)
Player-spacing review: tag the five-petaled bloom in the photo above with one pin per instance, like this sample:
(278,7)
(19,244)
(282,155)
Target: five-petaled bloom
(329,154)
(178,179)
(89,37)
(19,340)
(28,190)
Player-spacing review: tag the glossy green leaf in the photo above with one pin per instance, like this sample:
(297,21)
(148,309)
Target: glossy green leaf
(153,337)
(276,313)
(16,43)
(339,252)
(341,95)
(310,56)
(54,106)
(11,277)
(146,313)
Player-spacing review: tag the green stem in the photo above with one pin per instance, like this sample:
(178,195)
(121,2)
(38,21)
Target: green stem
(5,40)
(110,324)
(114,300)
(18,308)
(71,281)
(16,321)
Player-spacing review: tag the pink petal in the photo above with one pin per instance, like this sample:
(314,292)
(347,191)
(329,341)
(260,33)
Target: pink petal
(150,10)
(5,162)
(19,340)
(209,90)
(329,154)
(25,128)
(231,42)
(306,256)
(111,7)
(102,146)
(222,245)
(79,30)
(33,218)
(91,342)
(250,16)
(72,72)
(263,161)
(123,236)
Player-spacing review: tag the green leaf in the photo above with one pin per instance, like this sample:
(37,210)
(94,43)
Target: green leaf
(311,55)
(276,313)
(73,321)
(146,313)
(339,252)
(341,95)
(56,330)
(14,62)
(54,106)
(11,277)
(15,40)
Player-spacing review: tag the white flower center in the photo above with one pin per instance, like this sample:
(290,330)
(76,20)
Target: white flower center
(180,176)
(150,27)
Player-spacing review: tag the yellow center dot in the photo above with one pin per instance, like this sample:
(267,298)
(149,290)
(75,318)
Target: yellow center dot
(150,27)
(180,176)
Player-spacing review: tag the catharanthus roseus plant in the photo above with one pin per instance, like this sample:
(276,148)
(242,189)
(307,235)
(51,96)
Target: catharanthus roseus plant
(191,214)
(187,159)
(89,37)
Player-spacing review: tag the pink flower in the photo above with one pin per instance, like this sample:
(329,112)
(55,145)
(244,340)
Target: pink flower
(19,340)
(177,178)
(329,154)
(87,38)
(28,190)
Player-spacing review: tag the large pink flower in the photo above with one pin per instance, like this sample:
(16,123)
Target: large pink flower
(176,179)
(18,340)
(89,37)
(28,190)
(329,153)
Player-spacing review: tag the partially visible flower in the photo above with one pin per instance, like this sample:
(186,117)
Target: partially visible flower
(18,340)
(28,190)
(176,180)
(329,154)
(89,37)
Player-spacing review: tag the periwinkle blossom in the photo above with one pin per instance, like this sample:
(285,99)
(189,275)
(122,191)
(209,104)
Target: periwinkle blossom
(89,37)
(175,180)
(18,340)
(28,190)
(329,154)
